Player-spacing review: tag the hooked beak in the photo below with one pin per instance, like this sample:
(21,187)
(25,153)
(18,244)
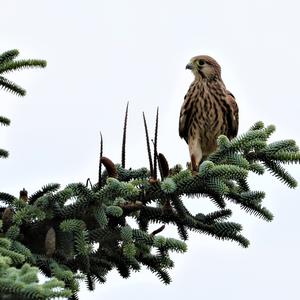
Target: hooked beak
(189,66)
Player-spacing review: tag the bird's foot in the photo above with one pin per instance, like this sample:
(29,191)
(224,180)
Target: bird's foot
(194,171)
(194,165)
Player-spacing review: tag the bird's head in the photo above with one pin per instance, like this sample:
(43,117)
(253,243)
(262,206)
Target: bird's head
(204,67)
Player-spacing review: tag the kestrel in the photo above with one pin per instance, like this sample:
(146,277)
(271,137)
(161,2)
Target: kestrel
(208,110)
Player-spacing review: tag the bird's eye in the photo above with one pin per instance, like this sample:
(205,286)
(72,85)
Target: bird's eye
(201,62)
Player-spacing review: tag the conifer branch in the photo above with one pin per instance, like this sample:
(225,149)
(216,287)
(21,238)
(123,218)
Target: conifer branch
(3,153)
(11,87)
(8,55)
(4,121)
(10,65)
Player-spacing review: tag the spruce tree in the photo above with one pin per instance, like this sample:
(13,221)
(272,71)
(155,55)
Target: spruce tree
(18,269)
(81,231)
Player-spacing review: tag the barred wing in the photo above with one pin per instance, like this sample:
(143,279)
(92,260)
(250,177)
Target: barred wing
(185,118)
(234,116)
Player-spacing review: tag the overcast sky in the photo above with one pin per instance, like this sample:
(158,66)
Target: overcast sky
(102,54)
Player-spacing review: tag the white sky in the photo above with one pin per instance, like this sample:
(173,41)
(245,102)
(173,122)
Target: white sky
(103,53)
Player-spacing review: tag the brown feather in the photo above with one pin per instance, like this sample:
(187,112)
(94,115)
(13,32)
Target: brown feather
(208,110)
(235,115)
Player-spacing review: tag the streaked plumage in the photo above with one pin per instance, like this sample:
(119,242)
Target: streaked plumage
(208,110)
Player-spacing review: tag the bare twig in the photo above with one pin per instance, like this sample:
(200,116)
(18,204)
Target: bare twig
(100,164)
(155,146)
(148,145)
(124,136)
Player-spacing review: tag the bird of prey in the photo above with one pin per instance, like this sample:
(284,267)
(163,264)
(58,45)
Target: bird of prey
(208,110)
